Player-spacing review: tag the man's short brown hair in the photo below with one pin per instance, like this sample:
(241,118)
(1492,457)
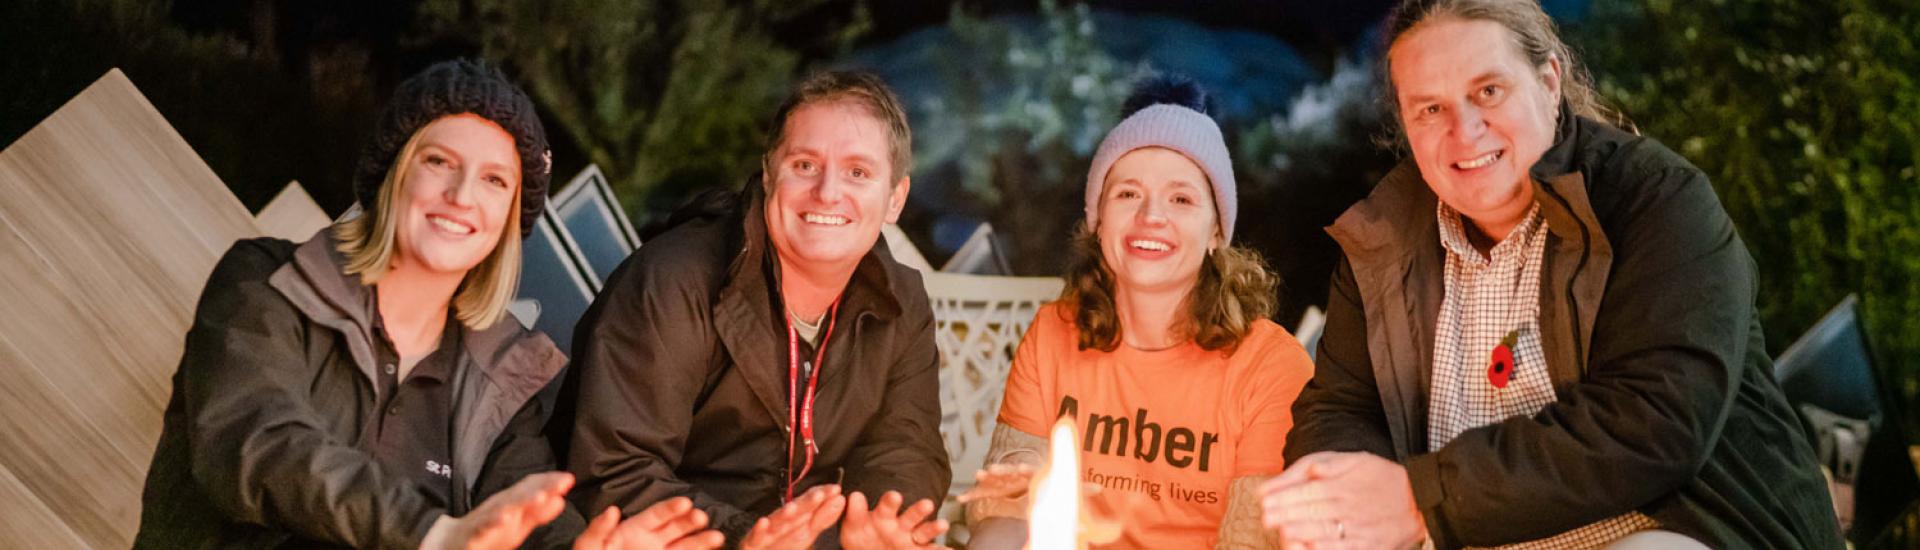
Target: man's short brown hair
(861,88)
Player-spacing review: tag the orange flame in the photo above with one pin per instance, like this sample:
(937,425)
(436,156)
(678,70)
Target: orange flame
(1059,520)
(1055,519)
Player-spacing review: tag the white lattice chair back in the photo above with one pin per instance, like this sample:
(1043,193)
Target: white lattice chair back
(978,322)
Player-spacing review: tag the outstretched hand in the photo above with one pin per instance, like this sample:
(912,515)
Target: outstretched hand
(672,524)
(887,527)
(505,519)
(1000,481)
(796,524)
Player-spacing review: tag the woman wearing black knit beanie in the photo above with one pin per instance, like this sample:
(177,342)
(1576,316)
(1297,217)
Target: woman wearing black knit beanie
(365,388)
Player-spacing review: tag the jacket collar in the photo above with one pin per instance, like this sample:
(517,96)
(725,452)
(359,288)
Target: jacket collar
(316,284)
(1560,158)
(1560,185)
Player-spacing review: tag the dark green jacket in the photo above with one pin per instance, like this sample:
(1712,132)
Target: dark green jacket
(258,445)
(1667,404)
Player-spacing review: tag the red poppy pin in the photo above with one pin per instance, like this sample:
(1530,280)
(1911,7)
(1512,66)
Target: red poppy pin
(1502,368)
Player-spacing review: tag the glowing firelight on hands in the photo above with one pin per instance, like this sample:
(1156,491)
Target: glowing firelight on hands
(1060,518)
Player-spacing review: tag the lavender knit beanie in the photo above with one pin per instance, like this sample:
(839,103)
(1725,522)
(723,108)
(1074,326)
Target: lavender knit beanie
(1169,112)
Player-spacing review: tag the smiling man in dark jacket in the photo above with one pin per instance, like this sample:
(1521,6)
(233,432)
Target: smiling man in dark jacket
(1542,332)
(766,349)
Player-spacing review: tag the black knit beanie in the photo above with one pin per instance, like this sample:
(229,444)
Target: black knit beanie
(456,87)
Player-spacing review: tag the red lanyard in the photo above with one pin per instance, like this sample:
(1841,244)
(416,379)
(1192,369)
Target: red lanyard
(800,407)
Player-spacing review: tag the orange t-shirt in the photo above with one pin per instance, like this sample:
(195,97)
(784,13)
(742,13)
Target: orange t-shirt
(1162,432)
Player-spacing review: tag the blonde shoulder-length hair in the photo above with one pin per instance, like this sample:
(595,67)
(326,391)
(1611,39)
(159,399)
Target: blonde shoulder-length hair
(368,241)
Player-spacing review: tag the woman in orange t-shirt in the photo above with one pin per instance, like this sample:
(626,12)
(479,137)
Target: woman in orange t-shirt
(1159,350)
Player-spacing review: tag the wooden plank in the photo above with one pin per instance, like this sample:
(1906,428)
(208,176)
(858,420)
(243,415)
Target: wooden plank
(29,523)
(69,465)
(292,215)
(110,227)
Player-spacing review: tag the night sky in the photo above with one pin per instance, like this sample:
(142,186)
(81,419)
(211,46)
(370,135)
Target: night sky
(1315,27)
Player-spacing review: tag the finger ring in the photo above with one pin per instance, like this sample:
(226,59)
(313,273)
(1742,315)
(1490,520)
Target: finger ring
(1339,530)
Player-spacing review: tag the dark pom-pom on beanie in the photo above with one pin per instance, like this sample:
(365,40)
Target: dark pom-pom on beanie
(1170,89)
